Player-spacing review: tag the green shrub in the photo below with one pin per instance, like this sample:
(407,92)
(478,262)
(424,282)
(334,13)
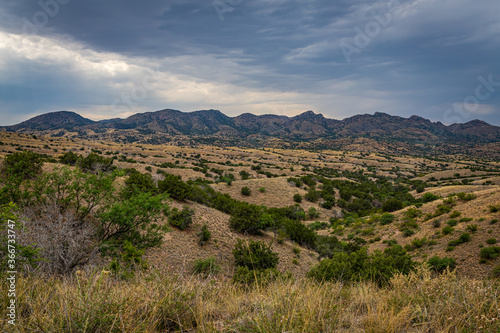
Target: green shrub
(494,208)
(466,219)
(392,205)
(471,228)
(174,187)
(407,232)
(95,163)
(246,191)
(490,252)
(297,198)
(204,235)
(262,190)
(319,225)
(206,267)
(69,158)
(181,219)
(452,223)
(428,197)
(136,220)
(244,175)
(447,230)
(299,233)
(312,213)
(254,255)
(139,182)
(312,195)
(358,266)
(386,219)
(491,241)
(442,209)
(454,214)
(464,238)
(440,265)
(22,165)
(466,196)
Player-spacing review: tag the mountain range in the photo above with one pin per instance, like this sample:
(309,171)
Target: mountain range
(308,126)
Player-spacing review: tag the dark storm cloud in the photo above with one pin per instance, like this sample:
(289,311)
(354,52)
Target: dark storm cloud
(336,57)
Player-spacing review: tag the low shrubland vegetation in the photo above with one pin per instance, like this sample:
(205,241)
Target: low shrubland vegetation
(90,211)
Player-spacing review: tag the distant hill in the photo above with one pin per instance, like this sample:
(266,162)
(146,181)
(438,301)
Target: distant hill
(52,121)
(305,127)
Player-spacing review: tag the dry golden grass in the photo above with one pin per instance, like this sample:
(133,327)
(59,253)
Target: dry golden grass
(94,301)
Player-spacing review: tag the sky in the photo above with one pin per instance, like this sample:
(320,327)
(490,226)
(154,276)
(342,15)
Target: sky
(438,59)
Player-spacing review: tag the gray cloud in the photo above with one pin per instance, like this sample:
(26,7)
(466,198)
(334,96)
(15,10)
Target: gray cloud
(281,56)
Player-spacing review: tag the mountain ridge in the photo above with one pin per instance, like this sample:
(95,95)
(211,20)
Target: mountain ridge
(306,126)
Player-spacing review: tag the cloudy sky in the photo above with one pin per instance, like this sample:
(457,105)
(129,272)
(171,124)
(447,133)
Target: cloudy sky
(438,59)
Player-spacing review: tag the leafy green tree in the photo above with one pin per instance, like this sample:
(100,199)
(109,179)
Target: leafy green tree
(17,170)
(73,189)
(136,220)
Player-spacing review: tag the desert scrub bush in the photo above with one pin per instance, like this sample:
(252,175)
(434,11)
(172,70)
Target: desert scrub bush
(319,225)
(246,191)
(441,209)
(387,219)
(439,265)
(412,213)
(312,213)
(262,190)
(256,263)
(358,266)
(472,228)
(464,238)
(206,267)
(136,220)
(466,196)
(245,218)
(173,186)
(69,158)
(452,223)
(95,163)
(428,197)
(490,252)
(392,205)
(181,219)
(138,182)
(454,214)
(491,241)
(297,198)
(312,195)
(466,219)
(494,208)
(22,165)
(204,235)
